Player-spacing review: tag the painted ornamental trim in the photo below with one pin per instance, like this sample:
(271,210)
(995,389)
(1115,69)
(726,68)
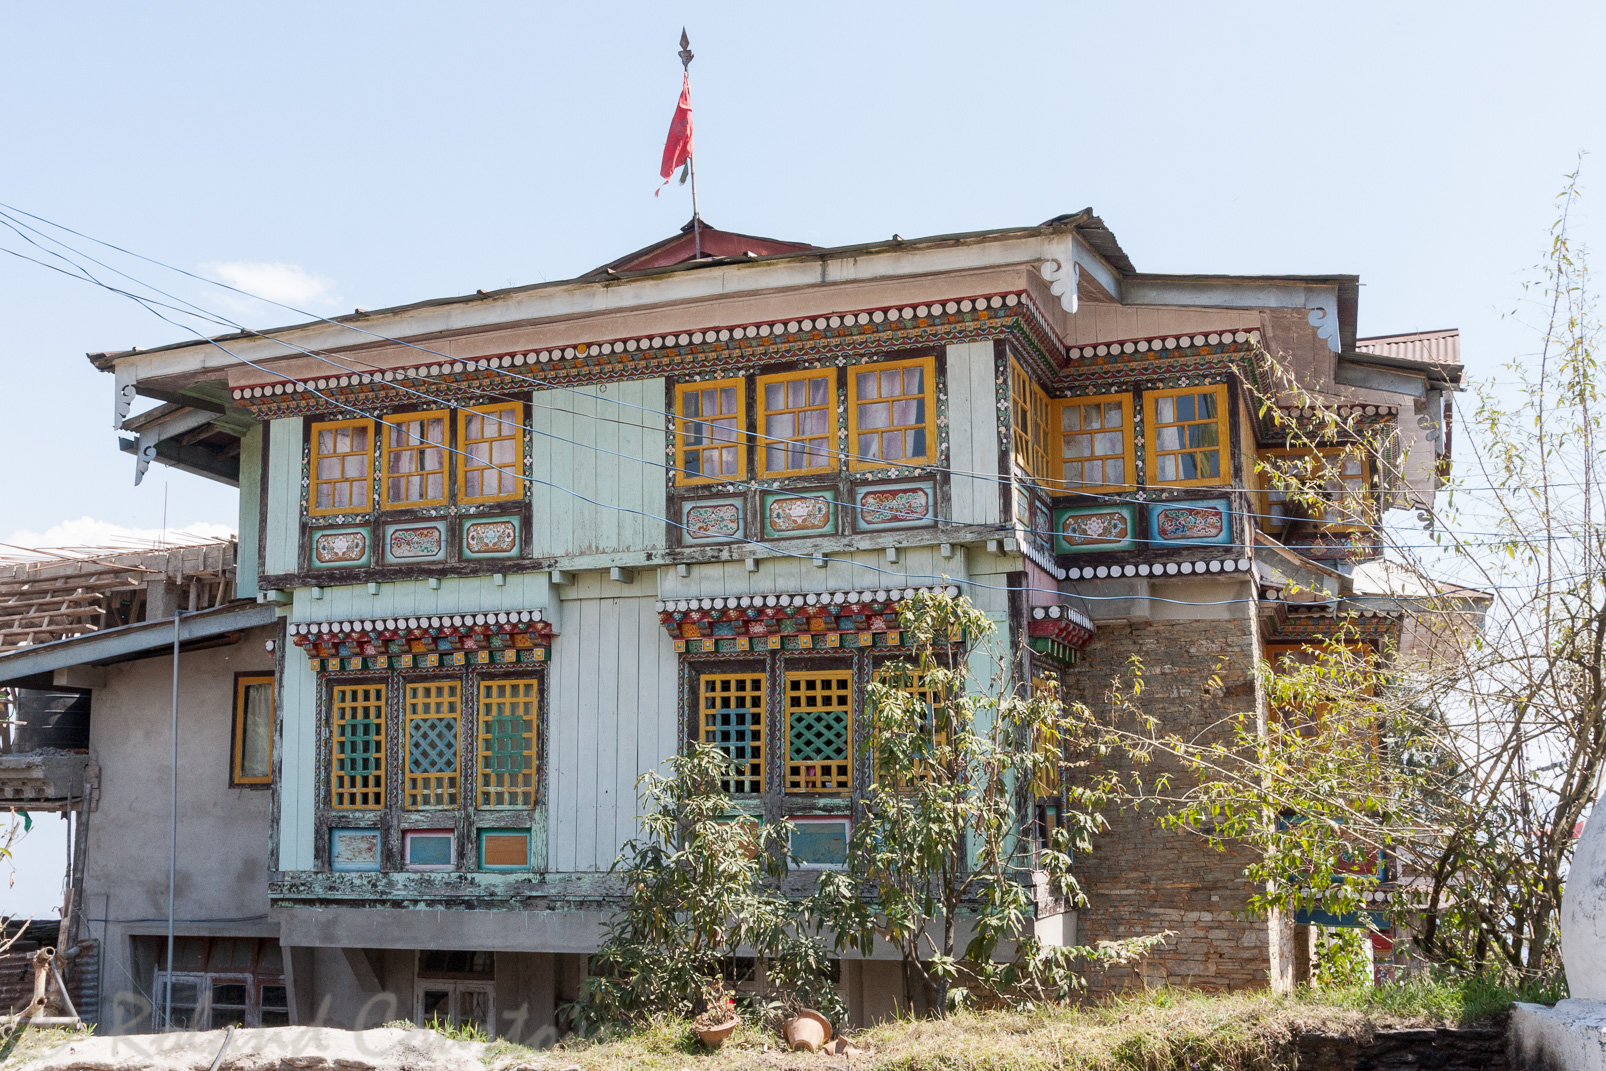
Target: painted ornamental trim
(695,353)
(518,637)
(816,620)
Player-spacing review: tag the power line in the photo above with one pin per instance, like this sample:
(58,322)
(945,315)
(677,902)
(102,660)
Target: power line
(326,357)
(438,402)
(779,551)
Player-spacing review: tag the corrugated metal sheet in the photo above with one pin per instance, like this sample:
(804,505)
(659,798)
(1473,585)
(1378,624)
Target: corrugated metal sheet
(1424,347)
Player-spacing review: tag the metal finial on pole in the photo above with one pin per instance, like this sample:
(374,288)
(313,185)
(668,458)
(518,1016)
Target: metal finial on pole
(686,56)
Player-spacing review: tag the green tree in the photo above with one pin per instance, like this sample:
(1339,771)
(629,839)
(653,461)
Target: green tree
(701,885)
(941,863)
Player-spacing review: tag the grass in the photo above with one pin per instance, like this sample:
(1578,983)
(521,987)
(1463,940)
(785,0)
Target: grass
(1160,1030)
(34,1042)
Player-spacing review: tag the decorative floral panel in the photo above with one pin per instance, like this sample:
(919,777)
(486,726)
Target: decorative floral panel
(506,638)
(711,520)
(341,548)
(491,537)
(1080,529)
(799,513)
(415,542)
(880,507)
(1205,520)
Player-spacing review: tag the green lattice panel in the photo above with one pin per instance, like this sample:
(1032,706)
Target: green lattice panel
(431,763)
(819,731)
(358,780)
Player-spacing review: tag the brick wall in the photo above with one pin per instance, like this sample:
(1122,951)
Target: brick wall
(1141,879)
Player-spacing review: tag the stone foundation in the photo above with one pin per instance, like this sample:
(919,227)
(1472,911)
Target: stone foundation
(1141,879)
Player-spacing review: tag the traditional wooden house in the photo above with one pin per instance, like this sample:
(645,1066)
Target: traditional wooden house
(524,544)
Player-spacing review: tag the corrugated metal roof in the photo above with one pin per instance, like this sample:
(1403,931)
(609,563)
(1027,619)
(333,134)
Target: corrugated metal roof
(1421,347)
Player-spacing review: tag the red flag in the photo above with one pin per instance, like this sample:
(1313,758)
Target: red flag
(677,147)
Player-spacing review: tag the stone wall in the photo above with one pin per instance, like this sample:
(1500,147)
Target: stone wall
(1141,879)
(1471,1048)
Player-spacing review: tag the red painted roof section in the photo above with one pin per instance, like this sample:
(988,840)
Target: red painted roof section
(682,247)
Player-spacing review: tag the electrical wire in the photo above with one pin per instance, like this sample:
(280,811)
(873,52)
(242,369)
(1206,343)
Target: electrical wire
(151,306)
(1002,529)
(664,415)
(84,275)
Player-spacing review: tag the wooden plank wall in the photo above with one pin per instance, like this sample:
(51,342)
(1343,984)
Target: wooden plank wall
(406,598)
(611,715)
(973,433)
(583,424)
(248,557)
(297,762)
(283,535)
(916,566)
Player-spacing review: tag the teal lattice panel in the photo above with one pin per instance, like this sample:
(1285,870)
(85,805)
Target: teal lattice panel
(431,745)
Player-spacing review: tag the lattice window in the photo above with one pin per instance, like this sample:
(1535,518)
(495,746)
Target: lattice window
(492,441)
(1187,435)
(797,419)
(1326,486)
(732,707)
(1030,412)
(342,467)
(819,731)
(1050,780)
(507,743)
(710,419)
(906,679)
(891,413)
(358,780)
(415,459)
(1095,443)
(431,775)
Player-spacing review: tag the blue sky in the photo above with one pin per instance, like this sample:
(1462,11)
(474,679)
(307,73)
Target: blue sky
(364,154)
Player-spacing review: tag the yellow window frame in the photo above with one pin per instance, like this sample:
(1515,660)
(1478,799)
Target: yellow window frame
(714,691)
(503,788)
(765,440)
(816,776)
(391,427)
(237,767)
(928,366)
(431,790)
(1152,428)
(682,424)
(349,704)
(888,675)
(508,416)
(1050,781)
(314,483)
(1354,507)
(1029,413)
(1128,454)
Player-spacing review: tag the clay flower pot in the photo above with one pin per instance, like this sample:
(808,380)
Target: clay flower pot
(715,1036)
(808,1030)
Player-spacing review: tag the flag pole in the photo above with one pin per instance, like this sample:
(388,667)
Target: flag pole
(686,55)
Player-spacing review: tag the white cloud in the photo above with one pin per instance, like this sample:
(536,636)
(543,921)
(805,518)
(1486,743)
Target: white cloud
(273,281)
(89,532)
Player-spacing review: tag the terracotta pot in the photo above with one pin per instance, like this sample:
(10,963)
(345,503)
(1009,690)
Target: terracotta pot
(808,1030)
(715,1036)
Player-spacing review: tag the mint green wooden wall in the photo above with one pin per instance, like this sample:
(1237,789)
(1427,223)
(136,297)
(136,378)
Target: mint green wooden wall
(973,433)
(582,425)
(282,536)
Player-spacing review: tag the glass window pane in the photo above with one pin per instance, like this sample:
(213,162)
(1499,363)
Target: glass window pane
(1113,417)
(1071,418)
(1207,406)
(1165,410)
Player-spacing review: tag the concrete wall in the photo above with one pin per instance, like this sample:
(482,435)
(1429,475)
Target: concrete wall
(222,860)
